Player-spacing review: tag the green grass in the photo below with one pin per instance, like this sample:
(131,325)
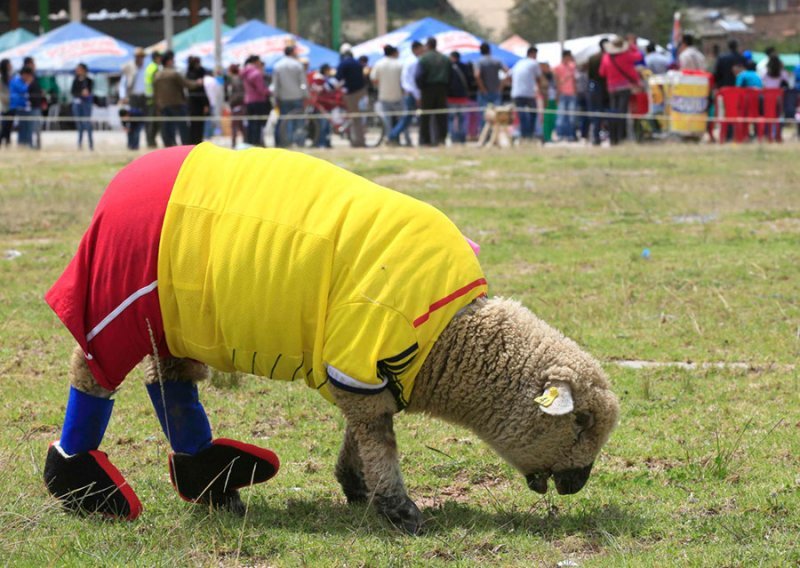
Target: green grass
(703,470)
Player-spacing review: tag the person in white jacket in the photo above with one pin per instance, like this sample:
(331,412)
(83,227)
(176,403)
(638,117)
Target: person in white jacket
(411,95)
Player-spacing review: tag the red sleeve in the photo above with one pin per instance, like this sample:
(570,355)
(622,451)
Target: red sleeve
(603,71)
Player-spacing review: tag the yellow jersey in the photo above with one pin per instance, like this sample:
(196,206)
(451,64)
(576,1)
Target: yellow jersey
(283,265)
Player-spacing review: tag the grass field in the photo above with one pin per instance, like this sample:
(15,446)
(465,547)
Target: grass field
(703,470)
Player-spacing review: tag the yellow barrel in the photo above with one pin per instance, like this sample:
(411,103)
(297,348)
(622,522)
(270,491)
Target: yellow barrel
(688,102)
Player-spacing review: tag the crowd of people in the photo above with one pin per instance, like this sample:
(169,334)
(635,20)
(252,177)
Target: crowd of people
(21,95)
(567,102)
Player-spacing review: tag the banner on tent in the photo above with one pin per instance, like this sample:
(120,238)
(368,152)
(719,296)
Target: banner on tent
(457,40)
(90,47)
(447,37)
(264,47)
(394,39)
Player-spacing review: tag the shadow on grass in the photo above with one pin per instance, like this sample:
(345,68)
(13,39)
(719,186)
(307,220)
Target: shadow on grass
(326,517)
(607,519)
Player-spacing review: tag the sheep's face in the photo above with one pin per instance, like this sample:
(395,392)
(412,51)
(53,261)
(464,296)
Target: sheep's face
(556,410)
(561,440)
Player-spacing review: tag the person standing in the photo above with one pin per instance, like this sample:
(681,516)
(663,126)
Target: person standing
(6,114)
(351,73)
(386,76)
(487,76)
(170,98)
(774,76)
(152,127)
(199,105)
(462,82)
(132,93)
(411,94)
(214,86)
(582,101)
(235,94)
(20,105)
(689,57)
(550,96)
(761,66)
(597,92)
(433,79)
(657,62)
(723,71)
(619,69)
(289,87)
(564,73)
(37,100)
(256,100)
(82,100)
(324,90)
(524,76)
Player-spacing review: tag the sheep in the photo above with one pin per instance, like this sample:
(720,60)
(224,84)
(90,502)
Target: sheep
(485,373)
(490,365)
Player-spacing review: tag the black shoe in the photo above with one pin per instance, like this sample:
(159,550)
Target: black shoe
(213,475)
(89,483)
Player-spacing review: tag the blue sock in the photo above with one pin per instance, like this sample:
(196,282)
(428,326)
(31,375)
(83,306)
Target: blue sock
(85,422)
(184,421)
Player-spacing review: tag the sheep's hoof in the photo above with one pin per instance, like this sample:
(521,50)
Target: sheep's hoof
(402,512)
(89,483)
(213,475)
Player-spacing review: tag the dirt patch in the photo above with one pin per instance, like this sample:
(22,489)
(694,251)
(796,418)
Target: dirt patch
(657,464)
(265,429)
(577,546)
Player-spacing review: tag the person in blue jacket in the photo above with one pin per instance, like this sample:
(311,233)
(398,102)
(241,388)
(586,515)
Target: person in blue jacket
(19,103)
(746,76)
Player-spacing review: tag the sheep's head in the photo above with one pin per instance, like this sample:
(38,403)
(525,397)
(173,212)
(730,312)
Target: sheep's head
(555,410)
(578,435)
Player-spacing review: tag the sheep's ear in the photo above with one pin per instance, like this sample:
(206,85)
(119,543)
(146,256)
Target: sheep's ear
(556,399)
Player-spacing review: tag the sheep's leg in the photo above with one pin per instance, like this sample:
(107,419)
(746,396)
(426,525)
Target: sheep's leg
(369,421)
(88,409)
(171,384)
(82,379)
(75,472)
(174,369)
(203,470)
(349,470)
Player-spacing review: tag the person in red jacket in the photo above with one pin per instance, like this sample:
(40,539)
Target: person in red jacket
(618,67)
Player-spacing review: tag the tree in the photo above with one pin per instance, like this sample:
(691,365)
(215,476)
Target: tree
(535,20)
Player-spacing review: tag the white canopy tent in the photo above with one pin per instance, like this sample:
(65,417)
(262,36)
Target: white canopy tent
(582,48)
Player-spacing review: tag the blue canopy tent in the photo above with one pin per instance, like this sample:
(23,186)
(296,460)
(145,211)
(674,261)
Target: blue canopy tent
(61,49)
(448,38)
(258,38)
(14,38)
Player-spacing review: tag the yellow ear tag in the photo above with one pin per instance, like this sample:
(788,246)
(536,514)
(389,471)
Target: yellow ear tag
(548,397)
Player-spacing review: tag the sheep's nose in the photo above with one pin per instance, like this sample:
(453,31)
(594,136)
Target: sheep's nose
(572,480)
(538,481)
